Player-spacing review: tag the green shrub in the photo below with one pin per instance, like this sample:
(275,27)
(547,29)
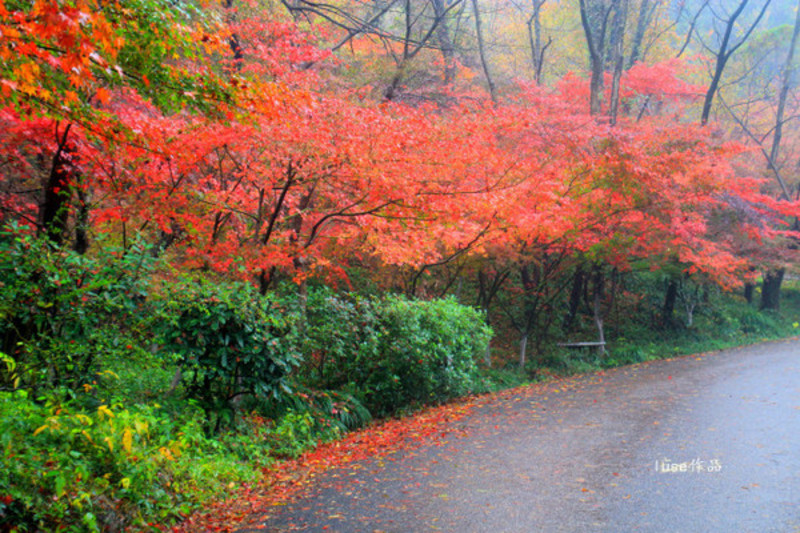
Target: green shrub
(391,353)
(427,353)
(60,311)
(229,342)
(340,332)
(758,323)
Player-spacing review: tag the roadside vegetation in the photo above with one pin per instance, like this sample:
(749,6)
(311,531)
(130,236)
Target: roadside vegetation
(132,395)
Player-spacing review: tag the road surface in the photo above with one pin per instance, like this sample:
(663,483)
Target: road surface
(695,444)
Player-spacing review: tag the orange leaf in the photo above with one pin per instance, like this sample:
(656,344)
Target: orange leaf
(103,95)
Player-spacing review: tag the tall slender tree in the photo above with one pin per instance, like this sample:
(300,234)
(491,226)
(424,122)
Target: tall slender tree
(482,52)
(728,44)
(617,56)
(595,16)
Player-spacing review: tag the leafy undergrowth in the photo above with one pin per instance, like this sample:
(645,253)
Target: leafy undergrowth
(285,479)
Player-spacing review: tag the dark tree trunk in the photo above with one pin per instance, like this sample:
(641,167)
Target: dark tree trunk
(488,287)
(618,56)
(445,42)
(597,309)
(786,81)
(482,52)
(726,50)
(787,76)
(749,290)
(646,11)
(54,211)
(535,40)
(574,297)
(531,276)
(594,20)
(771,289)
(233,39)
(668,310)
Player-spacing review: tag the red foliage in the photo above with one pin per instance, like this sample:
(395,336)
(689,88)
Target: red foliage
(291,176)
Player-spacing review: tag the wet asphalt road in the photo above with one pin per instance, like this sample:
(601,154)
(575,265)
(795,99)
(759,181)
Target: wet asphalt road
(696,444)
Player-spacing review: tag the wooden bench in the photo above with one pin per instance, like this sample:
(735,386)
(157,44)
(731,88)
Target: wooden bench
(580,344)
(601,346)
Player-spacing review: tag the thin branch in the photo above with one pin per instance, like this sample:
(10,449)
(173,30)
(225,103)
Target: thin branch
(770,163)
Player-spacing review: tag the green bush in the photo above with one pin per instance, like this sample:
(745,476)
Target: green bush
(340,332)
(229,341)
(427,353)
(60,311)
(392,353)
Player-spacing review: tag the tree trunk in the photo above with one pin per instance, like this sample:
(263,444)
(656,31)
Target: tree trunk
(596,86)
(690,314)
(771,289)
(574,297)
(788,69)
(749,290)
(598,311)
(54,211)
(445,42)
(668,310)
(233,40)
(786,79)
(487,290)
(594,20)
(523,348)
(726,50)
(483,303)
(618,56)
(690,295)
(82,222)
(534,24)
(646,10)
(482,52)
